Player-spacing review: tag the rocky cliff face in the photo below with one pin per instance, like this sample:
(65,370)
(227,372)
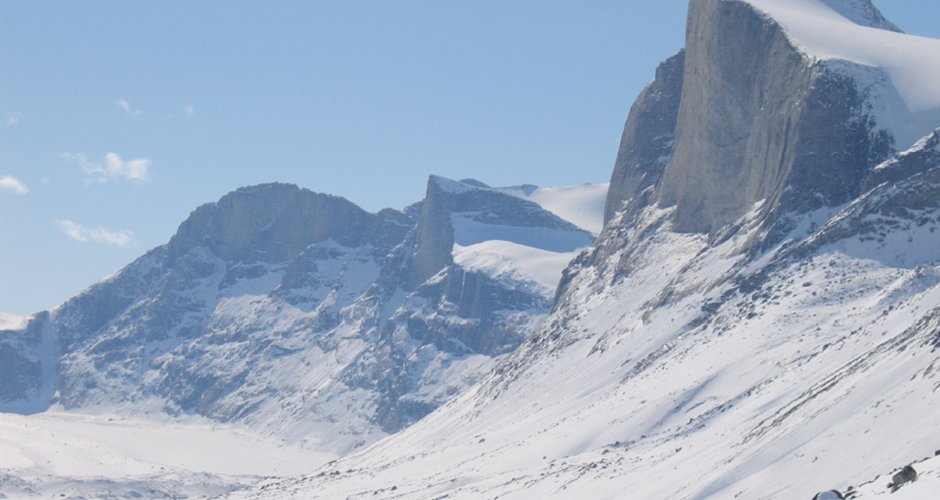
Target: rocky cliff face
(273,223)
(756,119)
(923,156)
(648,138)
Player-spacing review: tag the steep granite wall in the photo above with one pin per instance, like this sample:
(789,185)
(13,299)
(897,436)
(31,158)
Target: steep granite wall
(647,140)
(751,118)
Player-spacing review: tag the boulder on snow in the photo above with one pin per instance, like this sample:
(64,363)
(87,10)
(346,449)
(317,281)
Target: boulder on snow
(829,495)
(907,475)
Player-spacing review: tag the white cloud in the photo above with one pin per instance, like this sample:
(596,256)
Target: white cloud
(126,106)
(12,119)
(189,110)
(13,185)
(112,167)
(78,232)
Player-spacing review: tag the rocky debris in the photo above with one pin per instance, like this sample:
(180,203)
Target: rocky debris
(829,495)
(906,475)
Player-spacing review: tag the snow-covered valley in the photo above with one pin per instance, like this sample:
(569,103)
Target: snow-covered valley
(74,455)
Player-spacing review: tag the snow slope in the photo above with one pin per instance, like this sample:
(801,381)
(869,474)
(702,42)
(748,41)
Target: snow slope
(91,456)
(536,253)
(911,63)
(11,322)
(924,488)
(581,205)
(820,374)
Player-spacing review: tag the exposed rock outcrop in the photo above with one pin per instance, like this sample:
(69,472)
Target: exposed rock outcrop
(743,115)
(274,222)
(648,137)
(923,156)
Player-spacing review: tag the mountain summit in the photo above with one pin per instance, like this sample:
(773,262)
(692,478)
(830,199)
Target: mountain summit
(784,102)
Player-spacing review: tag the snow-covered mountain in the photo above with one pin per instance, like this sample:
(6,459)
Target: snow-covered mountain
(303,316)
(759,316)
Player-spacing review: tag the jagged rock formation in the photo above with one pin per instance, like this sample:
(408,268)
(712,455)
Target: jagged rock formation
(648,138)
(296,312)
(924,155)
(863,13)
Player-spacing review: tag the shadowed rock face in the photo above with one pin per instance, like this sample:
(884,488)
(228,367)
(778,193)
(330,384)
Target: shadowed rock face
(924,155)
(749,119)
(434,240)
(648,135)
(18,374)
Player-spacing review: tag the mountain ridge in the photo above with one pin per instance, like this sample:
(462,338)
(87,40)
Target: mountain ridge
(273,279)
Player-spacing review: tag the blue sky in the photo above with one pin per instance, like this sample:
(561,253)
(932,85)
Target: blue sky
(119,118)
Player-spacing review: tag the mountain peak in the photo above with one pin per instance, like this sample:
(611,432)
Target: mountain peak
(456,187)
(270,223)
(784,103)
(862,12)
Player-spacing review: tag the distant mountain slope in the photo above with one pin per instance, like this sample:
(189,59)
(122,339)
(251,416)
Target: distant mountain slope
(301,315)
(582,205)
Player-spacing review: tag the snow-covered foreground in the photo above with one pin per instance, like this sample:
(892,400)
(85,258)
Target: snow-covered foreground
(96,456)
(926,487)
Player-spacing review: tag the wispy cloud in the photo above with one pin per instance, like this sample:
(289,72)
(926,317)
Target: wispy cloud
(126,106)
(12,119)
(112,167)
(78,232)
(13,185)
(189,110)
